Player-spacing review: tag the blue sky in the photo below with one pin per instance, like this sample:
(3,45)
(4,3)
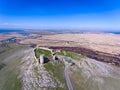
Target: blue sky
(60,14)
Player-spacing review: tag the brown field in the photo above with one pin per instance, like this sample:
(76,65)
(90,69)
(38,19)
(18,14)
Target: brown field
(108,43)
(10,35)
(3,37)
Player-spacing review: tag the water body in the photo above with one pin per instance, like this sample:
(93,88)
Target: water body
(113,32)
(10,30)
(23,31)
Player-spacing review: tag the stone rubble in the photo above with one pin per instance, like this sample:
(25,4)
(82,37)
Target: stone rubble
(34,76)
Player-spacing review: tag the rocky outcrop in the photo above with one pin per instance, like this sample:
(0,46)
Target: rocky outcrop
(97,55)
(34,76)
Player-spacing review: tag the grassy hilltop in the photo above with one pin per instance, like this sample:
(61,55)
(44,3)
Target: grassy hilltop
(10,56)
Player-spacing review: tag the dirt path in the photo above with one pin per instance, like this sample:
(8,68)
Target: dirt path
(69,84)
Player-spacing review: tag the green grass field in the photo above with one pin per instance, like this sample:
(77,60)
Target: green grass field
(39,51)
(10,58)
(57,70)
(71,54)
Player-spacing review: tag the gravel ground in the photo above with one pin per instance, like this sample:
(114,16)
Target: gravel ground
(33,75)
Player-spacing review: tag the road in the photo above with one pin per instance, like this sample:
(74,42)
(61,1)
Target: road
(69,84)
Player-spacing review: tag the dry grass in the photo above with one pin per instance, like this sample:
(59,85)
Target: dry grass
(109,43)
(102,42)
